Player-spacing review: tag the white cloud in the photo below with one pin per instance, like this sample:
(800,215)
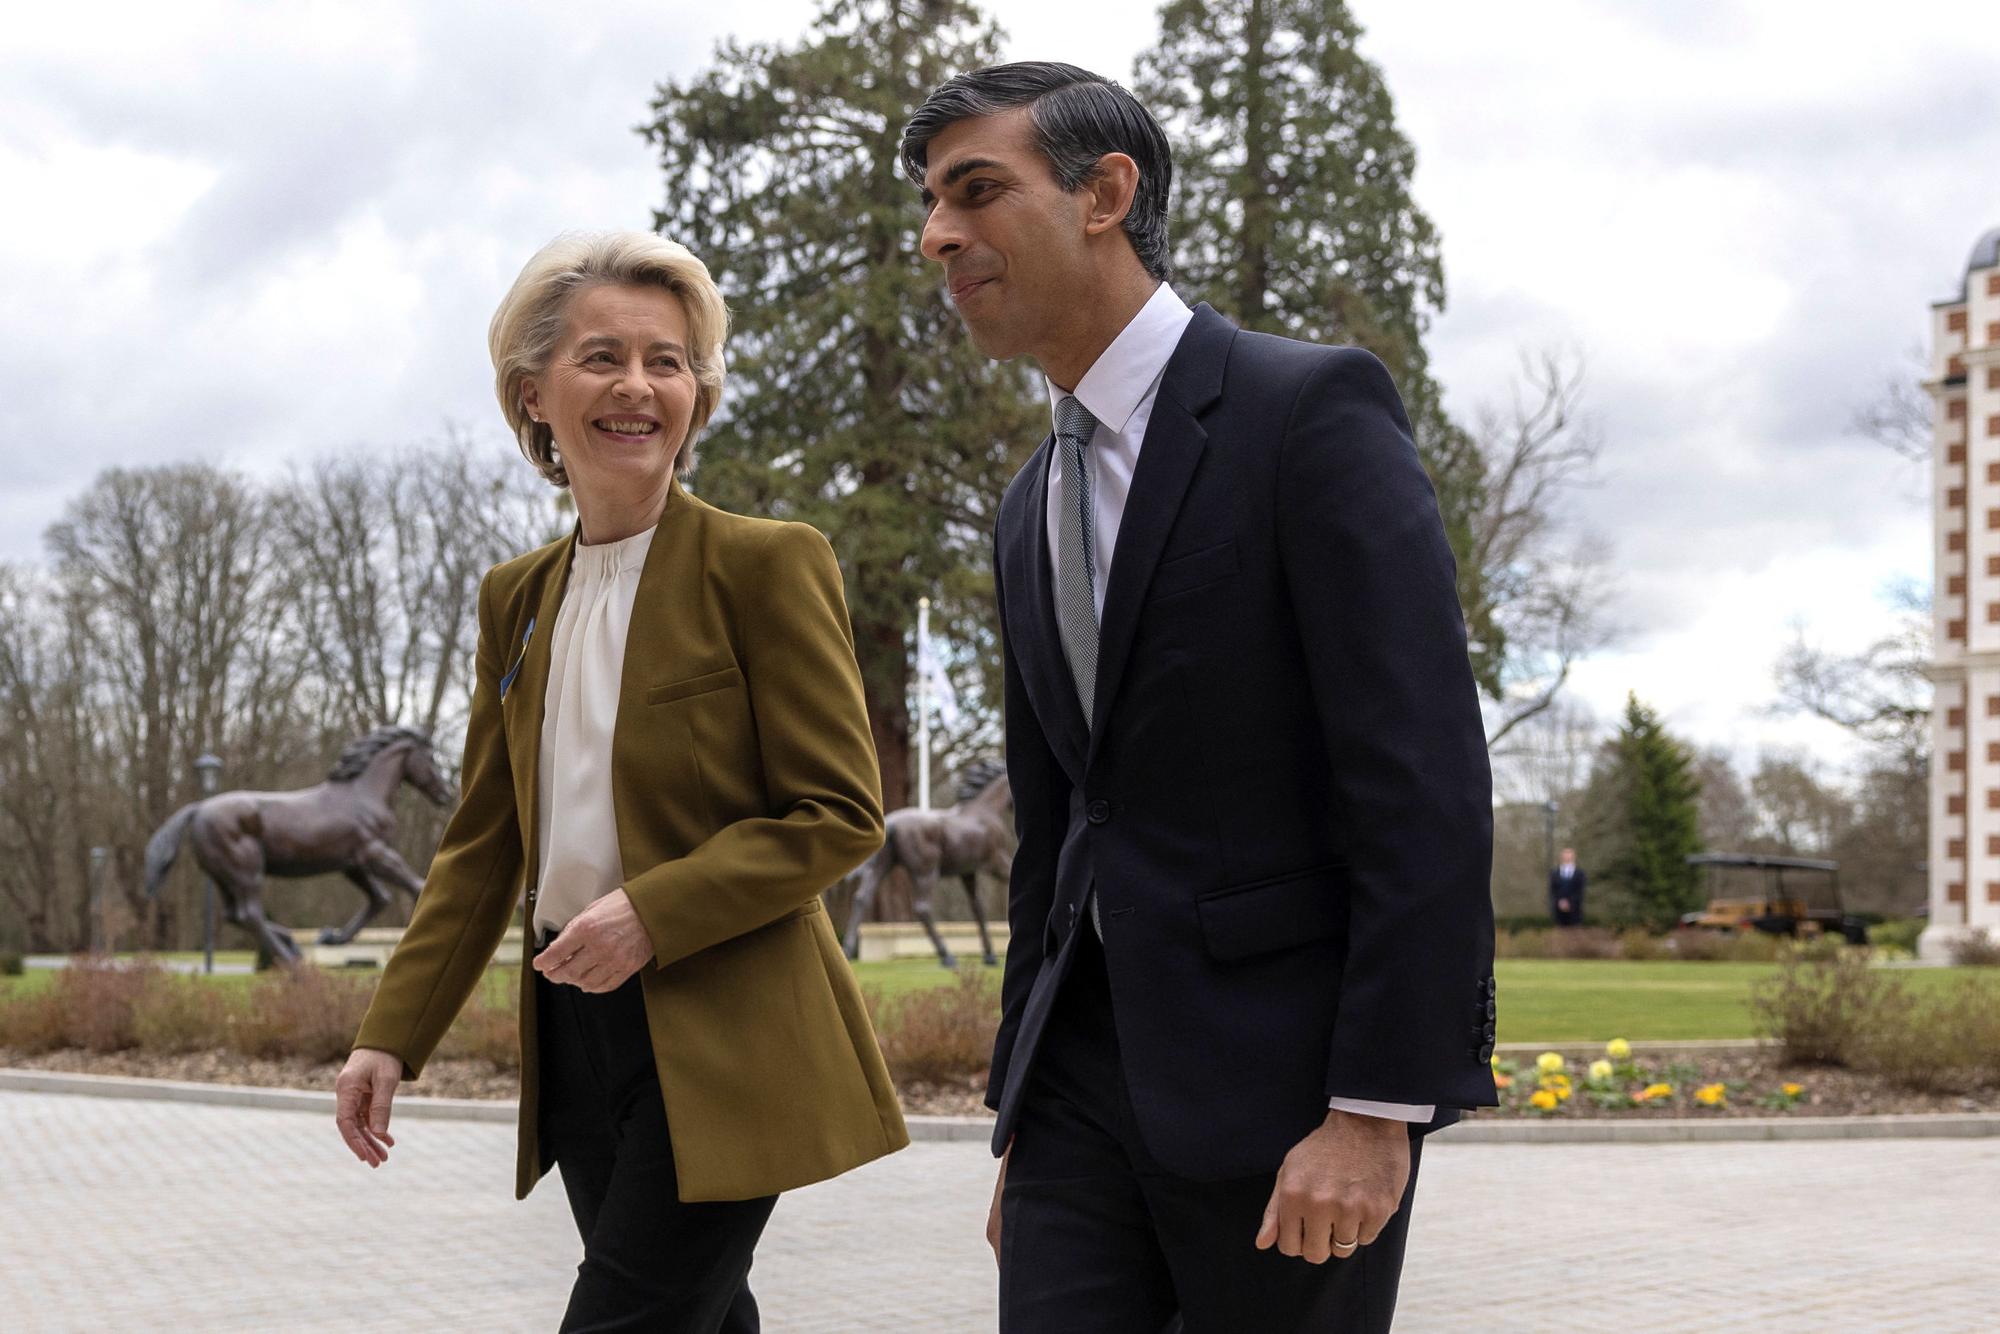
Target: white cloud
(257,232)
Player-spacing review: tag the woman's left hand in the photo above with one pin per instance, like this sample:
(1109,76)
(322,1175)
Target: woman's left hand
(600,948)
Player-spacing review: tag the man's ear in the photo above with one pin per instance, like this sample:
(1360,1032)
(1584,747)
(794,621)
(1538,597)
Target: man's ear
(1111,192)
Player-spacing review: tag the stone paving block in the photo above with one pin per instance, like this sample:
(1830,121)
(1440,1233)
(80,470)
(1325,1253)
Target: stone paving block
(144,1215)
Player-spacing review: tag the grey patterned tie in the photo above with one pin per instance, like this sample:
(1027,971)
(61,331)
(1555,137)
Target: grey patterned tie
(1076,569)
(1076,550)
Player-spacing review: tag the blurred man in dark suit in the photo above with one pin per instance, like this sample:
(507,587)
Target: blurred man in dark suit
(1566,884)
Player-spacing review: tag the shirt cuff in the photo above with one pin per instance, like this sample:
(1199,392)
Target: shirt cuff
(1388,1111)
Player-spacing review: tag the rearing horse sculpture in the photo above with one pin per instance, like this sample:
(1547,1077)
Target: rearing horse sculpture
(343,824)
(976,834)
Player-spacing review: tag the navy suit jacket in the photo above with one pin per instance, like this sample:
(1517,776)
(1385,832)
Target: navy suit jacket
(1284,802)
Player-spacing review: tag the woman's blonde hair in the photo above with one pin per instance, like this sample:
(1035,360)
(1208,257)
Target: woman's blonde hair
(529,324)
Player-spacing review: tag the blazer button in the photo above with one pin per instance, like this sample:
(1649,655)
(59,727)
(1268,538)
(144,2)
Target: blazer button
(1492,1008)
(1097,812)
(1486,1052)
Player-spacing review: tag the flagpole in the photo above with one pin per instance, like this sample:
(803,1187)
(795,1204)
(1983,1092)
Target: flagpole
(923,704)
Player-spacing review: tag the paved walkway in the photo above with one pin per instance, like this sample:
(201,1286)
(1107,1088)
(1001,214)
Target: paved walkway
(145,1216)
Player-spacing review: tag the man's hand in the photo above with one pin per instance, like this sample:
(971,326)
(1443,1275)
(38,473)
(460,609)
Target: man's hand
(993,1215)
(1338,1188)
(1563,904)
(600,948)
(361,1098)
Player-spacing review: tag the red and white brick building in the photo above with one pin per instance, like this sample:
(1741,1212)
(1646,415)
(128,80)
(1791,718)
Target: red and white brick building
(1965,718)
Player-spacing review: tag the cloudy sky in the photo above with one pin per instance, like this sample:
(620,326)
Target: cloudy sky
(258,232)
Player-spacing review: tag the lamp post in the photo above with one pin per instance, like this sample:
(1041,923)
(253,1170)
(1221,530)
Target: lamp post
(98,944)
(208,769)
(923,704)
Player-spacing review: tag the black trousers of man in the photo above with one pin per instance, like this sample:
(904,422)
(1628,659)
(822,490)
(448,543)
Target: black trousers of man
(1097,1238)
(650,1262)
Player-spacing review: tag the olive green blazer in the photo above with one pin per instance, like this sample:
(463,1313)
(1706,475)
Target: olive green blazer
(744,781)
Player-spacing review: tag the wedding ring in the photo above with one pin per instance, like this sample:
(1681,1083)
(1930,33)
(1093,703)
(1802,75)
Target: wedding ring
(1340,1245)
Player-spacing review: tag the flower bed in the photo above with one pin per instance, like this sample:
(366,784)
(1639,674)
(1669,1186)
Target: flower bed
(1617,1081)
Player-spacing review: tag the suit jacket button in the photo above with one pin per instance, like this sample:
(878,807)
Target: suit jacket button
(1097,812)
(1492,1010)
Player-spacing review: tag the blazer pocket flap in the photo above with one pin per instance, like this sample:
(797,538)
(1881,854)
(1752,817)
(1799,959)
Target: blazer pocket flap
(1275,914)
(1183,574)
(695,685)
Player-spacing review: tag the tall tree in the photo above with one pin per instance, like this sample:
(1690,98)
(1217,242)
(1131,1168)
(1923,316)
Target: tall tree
(1293,214)
(1659,829)
(855,403)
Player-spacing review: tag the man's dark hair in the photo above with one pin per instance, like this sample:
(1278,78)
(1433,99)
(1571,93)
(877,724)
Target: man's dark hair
(1078,118)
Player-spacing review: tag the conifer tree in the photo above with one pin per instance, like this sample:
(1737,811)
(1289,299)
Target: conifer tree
(1662,800)
(855,401)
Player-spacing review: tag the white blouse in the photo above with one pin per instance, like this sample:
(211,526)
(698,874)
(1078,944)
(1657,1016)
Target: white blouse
(578,828)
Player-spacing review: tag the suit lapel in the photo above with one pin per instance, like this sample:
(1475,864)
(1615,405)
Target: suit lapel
(1172,448)
(1031,618)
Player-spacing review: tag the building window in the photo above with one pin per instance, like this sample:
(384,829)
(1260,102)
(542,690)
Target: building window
(1993,284)
(1954,717)
(1954,497)
(1955,584)
(1954,369)
(1955,410)
(1993,377)
(1955,453)
(1955,892)
(1954,805)
(1993,706)
(1954,322)
(1993,472)
(1954,848)
(1993,618)
(1993,567)
(1955,761)
(1993,518)
(1993,798)
(1993,891)
(1993,845)
(1955,629)
(1954,541)
(1993,756)
(1993,332)
(1993,424)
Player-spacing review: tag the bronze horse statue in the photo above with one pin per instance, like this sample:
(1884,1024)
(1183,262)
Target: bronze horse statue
(976,834)
(343,824)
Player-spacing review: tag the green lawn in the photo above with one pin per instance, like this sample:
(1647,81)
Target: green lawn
(1541,1000)
(1588,1000)
(902,976)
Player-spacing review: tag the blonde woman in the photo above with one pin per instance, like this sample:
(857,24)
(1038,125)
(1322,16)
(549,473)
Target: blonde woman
(668,748)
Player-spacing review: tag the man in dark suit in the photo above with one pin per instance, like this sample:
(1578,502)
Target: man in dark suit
(1251,937)
(1566,885)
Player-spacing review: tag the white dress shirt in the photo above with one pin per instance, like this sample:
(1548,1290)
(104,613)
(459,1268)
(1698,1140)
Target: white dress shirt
(578,827)
(1119,389)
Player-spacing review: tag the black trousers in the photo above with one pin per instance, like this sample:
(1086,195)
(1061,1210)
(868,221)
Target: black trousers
(650,1262)
(1097,1238)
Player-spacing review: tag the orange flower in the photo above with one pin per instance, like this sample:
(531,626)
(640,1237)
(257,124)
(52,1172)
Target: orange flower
(1503,1081)
(1543,1101)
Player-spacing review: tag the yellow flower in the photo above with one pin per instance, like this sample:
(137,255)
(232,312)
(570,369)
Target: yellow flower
(1543,1101)
(1711,1095)
(1549,1062)
(1618,1049)
(1495,1061)
(1794,1090)
(1600,1071)
(1652,1091)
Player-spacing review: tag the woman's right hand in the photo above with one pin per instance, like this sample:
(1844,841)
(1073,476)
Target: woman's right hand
(361,1098)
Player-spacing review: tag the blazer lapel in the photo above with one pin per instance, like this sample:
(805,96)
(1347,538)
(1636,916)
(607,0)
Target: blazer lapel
(1031,619)
(1172,448)
(532,685)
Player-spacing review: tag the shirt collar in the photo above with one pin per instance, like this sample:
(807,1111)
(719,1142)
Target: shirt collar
(1119,380)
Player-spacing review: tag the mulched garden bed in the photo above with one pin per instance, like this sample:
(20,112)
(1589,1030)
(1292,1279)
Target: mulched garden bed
(1748,1077)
